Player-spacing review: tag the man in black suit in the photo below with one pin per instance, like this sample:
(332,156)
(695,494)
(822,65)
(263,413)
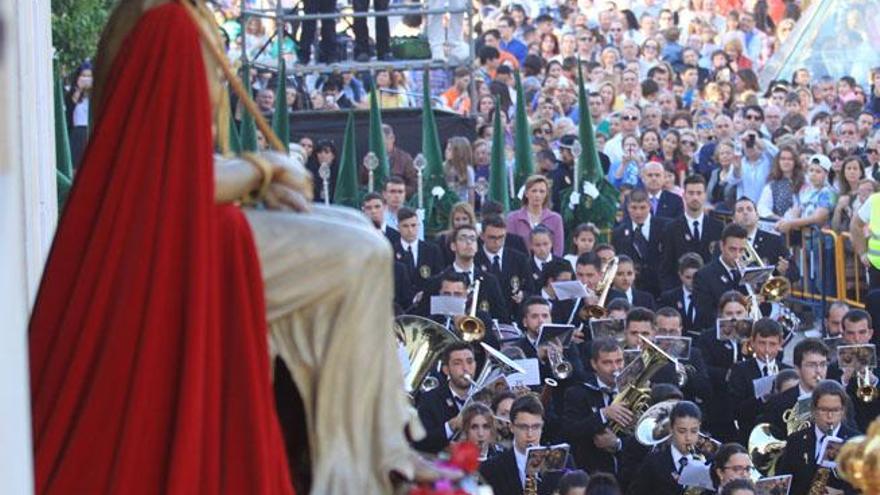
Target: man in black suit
(682,297)
(720,275)
(463,242)
(664,204)
(623,285)
(455,285)
(373,205)
(422,259)
(770,247)
(439,409)
(803,448)
(858,329)
(766,343)
(697,387)
(505,472)
(661,468)
(588,411)
(694,231)
(639,238)
(541,246)
(509,266)
(811,362)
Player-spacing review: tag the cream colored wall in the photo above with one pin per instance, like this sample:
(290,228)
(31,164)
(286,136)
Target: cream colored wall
(27,216)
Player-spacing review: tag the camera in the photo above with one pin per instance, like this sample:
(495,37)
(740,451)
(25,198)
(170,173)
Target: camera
(750,141)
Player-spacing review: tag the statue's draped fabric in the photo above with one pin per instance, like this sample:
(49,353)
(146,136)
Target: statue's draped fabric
(149,362)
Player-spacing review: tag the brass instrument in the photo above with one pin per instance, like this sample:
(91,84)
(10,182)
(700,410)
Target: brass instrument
(775,288)
(424,342)
(652,427)
(470,327)
(531,486)
(496,366)
(820,479)
(865,390)
(765,449)
(561,368)
(637,395)
(858,462)
(598,310)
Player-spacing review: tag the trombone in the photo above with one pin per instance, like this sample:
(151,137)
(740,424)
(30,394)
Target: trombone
(471,328)
(776,288)
(598,310)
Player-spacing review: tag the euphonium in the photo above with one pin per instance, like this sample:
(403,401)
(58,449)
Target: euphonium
(765,449)
(636,396)
(865,390)
(424,342)
(598,310)
(561,368)
(775,288)
(469,326)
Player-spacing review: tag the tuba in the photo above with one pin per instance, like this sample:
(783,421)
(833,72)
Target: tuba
(424,342)
(470,327)
(598,310)
(637,395)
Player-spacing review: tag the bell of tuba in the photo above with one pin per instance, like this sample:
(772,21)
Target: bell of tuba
(598,310)
(636,395)
(424,342)
(471,328)
(765,449)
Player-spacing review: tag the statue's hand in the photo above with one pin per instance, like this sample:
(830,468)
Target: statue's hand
(291,173)
(280,196)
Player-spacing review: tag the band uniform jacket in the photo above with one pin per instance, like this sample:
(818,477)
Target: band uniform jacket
(648,262)
(435,408)
(719,357)
(490,298)
(799,460)
(674,298)
(403,294)
(536,270)
(770,247)
(698,387)
(581,421)
(657,475)
(710,282)
(392,235)
(516,275)
(742,394)
(678,240)
(775,408)
(429,262)
(503,476)
(640,298)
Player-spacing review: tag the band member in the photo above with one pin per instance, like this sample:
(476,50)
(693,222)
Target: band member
(422,259)
(693,231)
(720,355)
(478,426)
(506,473)
(833,324)
(509,266)
(557,271)
(623,284)
(720,275)
(731,463)
(766,360)
(589,411)
(661,468)
(857,329)
(803,448)
(463,243)
(682,297)
(541,245)
(639,323)
(770,247)
(639,238)
(439,409)
(455,285)
(697,388)
(811,362)
(373,205)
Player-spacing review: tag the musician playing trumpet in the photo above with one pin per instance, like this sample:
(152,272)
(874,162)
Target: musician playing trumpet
(858,329)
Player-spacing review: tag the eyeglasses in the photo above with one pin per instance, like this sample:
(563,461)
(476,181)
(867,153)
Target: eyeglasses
(466,238)
(529,428)
(631,118)
(829,410)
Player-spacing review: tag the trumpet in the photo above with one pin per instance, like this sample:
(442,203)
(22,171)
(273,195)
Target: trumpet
(865,390)
(598,310)
(561,368)
(471,328)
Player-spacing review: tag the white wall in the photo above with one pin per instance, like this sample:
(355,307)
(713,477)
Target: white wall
(27,216)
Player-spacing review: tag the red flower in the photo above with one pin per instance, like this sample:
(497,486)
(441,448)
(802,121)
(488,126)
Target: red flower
(465,456)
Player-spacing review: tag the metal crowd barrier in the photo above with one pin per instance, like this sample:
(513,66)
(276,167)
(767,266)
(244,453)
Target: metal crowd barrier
(847,280)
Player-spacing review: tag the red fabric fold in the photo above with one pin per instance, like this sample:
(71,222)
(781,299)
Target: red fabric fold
(149,363)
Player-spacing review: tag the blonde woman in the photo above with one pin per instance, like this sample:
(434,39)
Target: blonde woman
(459,168)
(478,427)
(536,211)
(462,213)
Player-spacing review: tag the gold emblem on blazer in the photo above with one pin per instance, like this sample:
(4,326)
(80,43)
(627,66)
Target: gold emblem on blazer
(484,306)
(514,283)
(425,271)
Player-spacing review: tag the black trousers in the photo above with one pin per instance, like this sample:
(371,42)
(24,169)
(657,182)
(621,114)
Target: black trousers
(328,31)
(361,34)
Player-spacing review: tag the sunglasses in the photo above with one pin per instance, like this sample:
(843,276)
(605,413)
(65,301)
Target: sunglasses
(631,118)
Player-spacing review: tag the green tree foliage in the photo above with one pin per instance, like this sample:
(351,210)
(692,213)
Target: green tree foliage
(76,28)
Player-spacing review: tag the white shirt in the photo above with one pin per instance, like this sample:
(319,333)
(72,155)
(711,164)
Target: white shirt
(688,299)
(491,256)
(676,456)
(690,223)
(803,393)
(646,228)
(540,263)
(629,295)
(820,436)
(728,268)
(414,247)
(520,465)
(469,271)
(446,427)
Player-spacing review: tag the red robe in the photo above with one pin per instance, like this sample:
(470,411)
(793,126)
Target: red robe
(149,363)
